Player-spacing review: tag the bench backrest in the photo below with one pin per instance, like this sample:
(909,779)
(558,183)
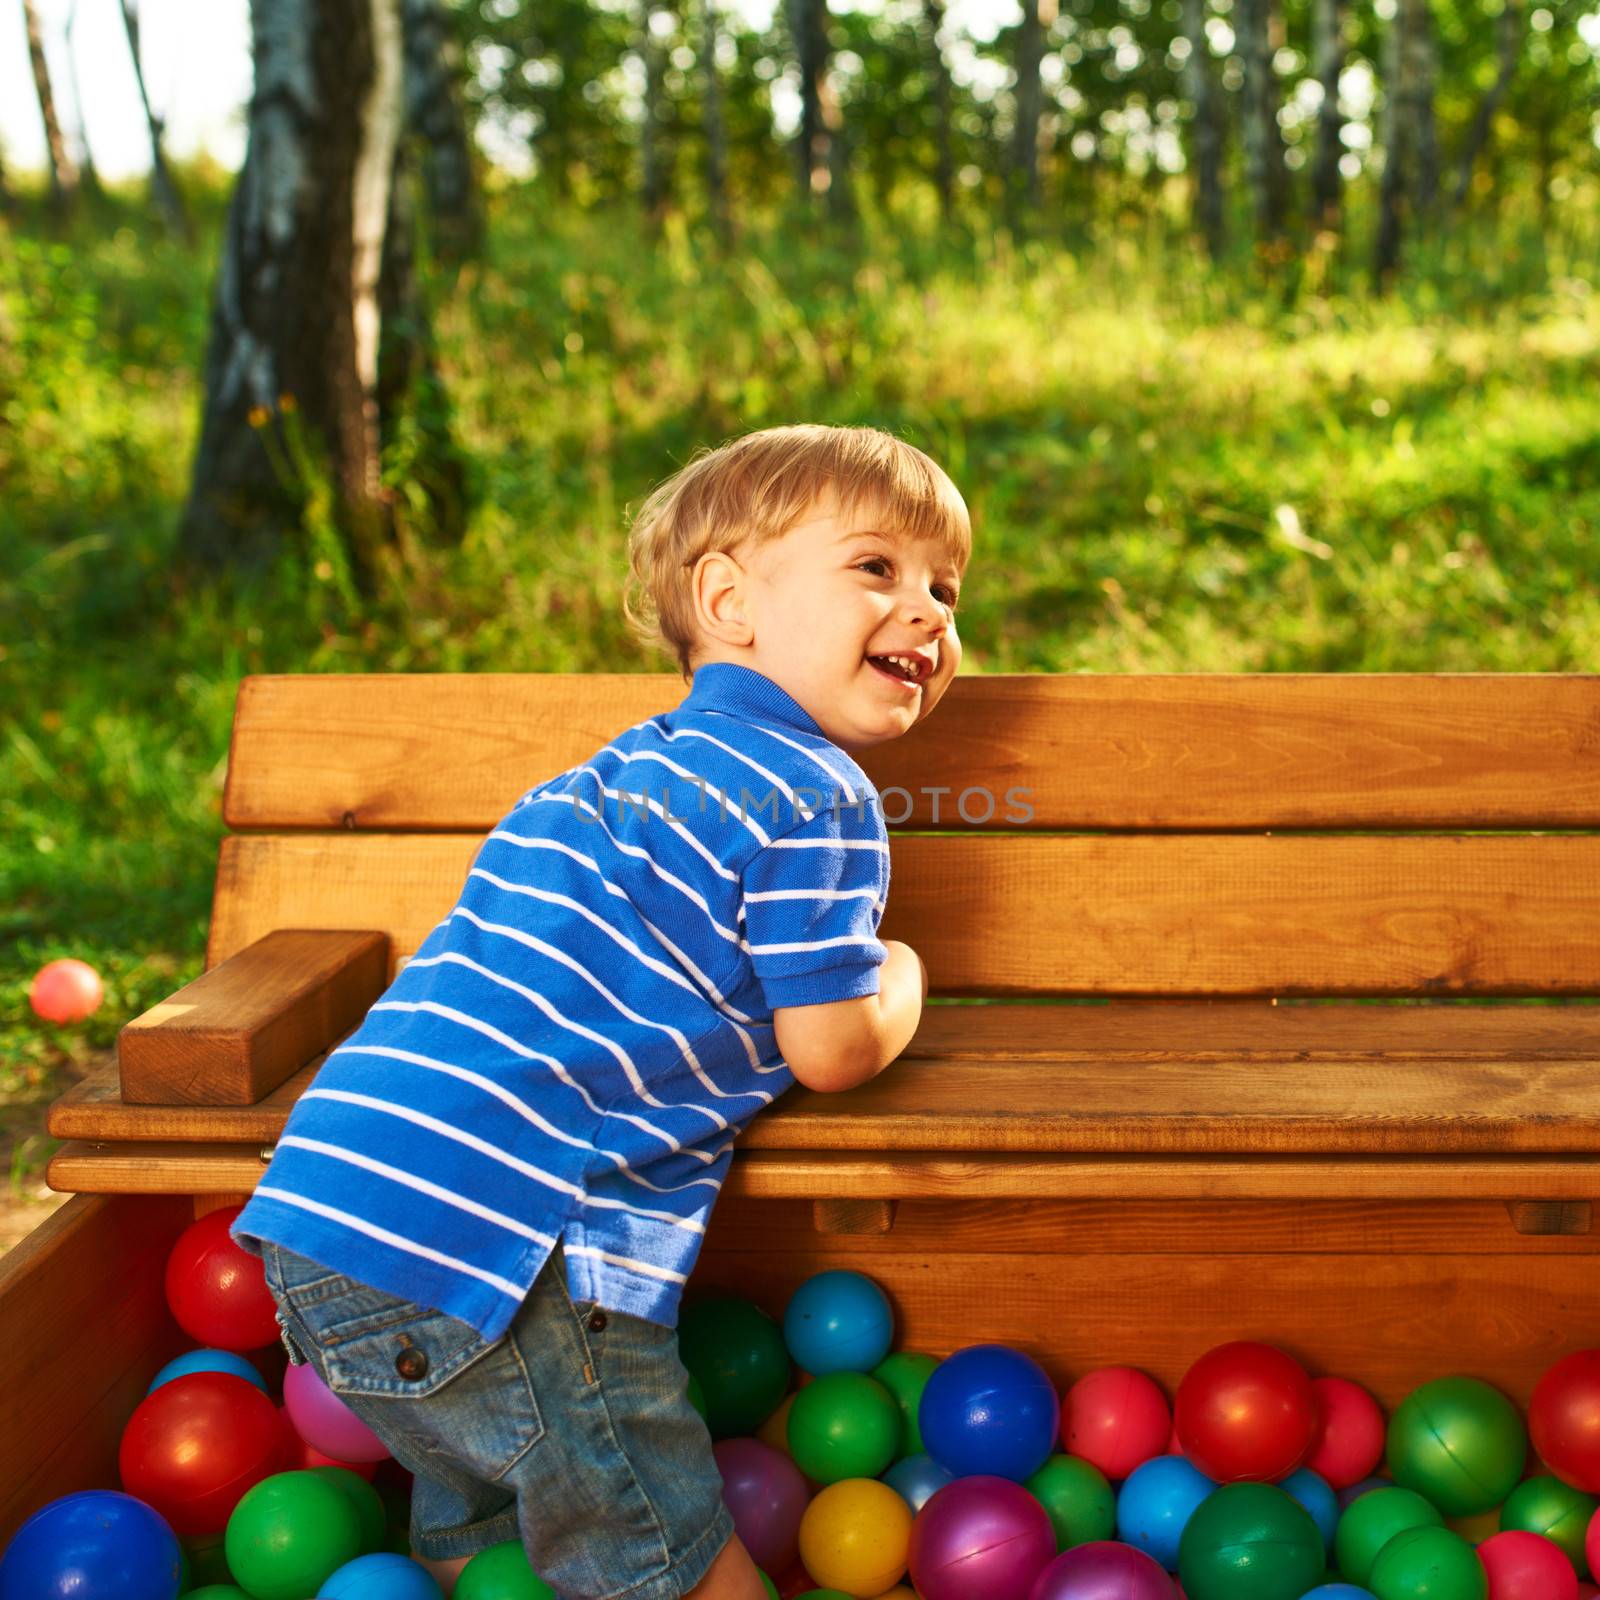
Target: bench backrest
(1321,834)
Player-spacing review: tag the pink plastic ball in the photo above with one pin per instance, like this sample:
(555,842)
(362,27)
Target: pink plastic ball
(324,1421)
(1348,1440)
(65,991)
(766,1494)
(1103,1570)
(1526,1566)
(1115,1418)
(980,1538)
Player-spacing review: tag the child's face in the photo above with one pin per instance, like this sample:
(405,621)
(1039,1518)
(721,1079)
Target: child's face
(822,600)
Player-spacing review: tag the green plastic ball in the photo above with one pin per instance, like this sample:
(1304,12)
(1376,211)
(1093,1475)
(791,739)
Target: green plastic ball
(737,1352)
(823,1594)
(502,1573)
(1371,1521)
(215,1591)
(1460,1442)
(1077,1498)
(288,1533)
(905,1375)
(843,1425)
(205,1562)
(1428,1564)
(1250,1541)
(767,1584)
(1555,1510)
(367,1504)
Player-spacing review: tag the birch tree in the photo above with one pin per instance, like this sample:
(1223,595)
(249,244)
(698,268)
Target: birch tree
(163,189)
(716,150)
(819,144)
(63,169)
(1327,63)
(944,172)
(1027,97)
(296,320)
(1205,130)
(1259,25)
(652,157)
(436,125)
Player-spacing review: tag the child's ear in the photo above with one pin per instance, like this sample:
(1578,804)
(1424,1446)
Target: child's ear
(718,593)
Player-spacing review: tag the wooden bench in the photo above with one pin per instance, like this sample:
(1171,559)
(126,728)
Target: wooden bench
(1174,1123)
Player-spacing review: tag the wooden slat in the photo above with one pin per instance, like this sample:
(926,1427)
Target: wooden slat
(237,1031)
(1149,915)
(1158,751)
(84,1326)
(173,1168)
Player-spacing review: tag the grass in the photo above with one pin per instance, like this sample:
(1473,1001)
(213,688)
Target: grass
(1168,471)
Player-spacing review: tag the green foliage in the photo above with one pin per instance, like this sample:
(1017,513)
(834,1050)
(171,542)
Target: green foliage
(1167,472)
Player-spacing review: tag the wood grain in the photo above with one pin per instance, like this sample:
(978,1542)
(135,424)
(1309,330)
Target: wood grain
(1184,751)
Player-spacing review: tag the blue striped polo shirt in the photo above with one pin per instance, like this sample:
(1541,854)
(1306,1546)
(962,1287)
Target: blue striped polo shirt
(571,1053)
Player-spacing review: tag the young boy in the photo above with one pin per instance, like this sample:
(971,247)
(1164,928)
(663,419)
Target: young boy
(482,1212)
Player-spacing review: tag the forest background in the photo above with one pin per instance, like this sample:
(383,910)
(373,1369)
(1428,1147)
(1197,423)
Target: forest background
(1260,335)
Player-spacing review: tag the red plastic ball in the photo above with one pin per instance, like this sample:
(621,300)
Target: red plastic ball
(65,991)
(218,1292)
(1115,1418)
(192,1449)
(1564,1420)
(1527,1566)
(1245,1413)
(1348,1440)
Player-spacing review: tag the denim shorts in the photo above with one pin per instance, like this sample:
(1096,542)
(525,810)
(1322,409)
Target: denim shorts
(572,1431)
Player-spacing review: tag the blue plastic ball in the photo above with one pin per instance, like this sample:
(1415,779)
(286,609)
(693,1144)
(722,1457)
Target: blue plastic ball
(384,1576)
(989,1410)
(916,1479)
(1338,1591)
(1317,1495)
(1155,1503)
(838,1322)
(95,1545)
(1348,1497)
(208,1361)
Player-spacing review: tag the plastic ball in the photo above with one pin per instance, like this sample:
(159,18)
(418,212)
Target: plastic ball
(217,1291)
(916,1479)
(1475,1529)
(775,1430)
(905,1375)
(855,1536)
(94,1543)
(1369,1523)
(737,1353)
(1155,1503)
(1523,1566)
(1458,1441)
(365,1501)
(501,1573)
(192,1448)
(1115,1417)
(1245,1412)
(324,1421)
(1348,1497)
(844,1425)
(298,1453)
(384,1576)
(989,1411)
(1338,1591)
(205,1562)
(208,1361)
(215,1591)
(290,1532)
(766,1495)
(1318,1498)
(979,1538)
(1250,1541)
(1564,1419)
(1076,1498)
(1545,1505)
(1429,1564)
(65,991)
(1103,1570)
(838,1322)
(1347,1441)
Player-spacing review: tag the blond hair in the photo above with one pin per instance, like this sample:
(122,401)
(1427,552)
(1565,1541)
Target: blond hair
(758,487)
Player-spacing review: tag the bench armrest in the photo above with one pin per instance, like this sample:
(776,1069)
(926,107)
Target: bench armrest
(235,1033)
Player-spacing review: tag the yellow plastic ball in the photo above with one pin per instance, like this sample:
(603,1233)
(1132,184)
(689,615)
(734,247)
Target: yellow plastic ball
(856,1536)
(1475,1529)
(775,1430)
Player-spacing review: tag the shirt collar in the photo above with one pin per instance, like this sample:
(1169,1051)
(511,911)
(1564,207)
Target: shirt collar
(742,691)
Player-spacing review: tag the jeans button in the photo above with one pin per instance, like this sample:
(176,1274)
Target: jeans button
(411,1363)
(597,1321)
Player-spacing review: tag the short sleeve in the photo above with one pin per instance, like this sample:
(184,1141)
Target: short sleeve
(811,905)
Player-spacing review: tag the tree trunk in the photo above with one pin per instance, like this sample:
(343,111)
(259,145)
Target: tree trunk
(1421,40)
(1397,154)
(1327,62)
(434,118)
(652,167)
(1260,33)
(1509,39)
(716,138)
(1206,130)
(944,171)
(817,147)
(1023,187)
(63,171)
(88,174)
(162,187)
(293,357)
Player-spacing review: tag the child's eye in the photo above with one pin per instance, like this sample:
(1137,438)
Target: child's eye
(881,561)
